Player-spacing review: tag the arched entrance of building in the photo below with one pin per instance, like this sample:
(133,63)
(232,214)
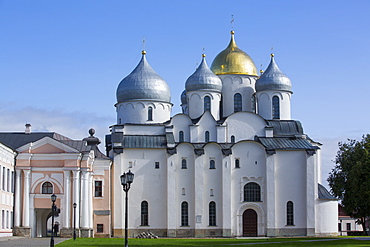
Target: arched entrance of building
(250,223)
(43,222)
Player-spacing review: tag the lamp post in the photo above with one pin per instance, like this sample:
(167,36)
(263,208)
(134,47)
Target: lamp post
(74,221)
(126,181)
(53,209)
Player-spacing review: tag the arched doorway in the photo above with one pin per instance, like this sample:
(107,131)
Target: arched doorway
(250,223)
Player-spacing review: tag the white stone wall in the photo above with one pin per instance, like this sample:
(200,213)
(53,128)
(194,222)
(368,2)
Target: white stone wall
(327,217)
(196,103)
(6,190)
(264,104)
(137,112)
(232,84)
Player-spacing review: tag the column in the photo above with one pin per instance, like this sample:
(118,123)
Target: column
(270,197)
(90,196)
(198,201)
(17,201)
(67,203)
(76,195)
(84,200)
(26,199)
(225,212)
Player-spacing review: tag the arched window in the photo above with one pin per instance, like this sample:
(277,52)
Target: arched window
(207,103)
(184,214)
(253,104)
(206,136)
(211,192)
(289,213)
(252,192)
(181,136)
(237,163)
(47,188)
(183,191)
(232,139)
(150,113)
(237,102)
(144,213)
(275,107)
(212,214)
(212,164)
(183,164)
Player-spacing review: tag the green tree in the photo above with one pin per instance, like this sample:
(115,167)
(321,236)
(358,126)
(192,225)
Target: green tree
(349,180)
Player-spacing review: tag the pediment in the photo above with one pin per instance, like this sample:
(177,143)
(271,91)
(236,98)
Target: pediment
(46,145)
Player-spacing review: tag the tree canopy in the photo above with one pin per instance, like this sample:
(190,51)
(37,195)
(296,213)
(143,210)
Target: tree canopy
(349,180)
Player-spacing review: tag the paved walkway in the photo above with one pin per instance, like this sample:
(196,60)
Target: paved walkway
(28,242)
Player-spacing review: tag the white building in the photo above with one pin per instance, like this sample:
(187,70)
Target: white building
(7,156)
(233,163)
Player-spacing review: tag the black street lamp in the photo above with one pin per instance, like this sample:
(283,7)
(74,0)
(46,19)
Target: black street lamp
(53,210)
(74,221)
(126,181)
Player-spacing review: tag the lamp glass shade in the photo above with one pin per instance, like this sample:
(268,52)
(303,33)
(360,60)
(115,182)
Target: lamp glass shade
(123,179)
(53,197)
(129,177)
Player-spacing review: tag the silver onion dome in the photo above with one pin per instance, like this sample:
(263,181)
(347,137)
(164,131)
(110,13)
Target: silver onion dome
(183,98)
(143,83)
(273,79)
(203,79)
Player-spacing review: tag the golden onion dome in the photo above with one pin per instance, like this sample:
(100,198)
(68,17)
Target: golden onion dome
(233,60)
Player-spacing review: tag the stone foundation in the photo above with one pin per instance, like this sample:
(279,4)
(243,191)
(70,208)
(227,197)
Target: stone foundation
(22,231)
(68,233)
(87,233)
(288,232)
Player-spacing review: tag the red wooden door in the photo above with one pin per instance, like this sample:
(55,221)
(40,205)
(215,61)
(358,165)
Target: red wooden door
(250,223)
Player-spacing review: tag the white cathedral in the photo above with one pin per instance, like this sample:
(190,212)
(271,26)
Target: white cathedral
(233,163)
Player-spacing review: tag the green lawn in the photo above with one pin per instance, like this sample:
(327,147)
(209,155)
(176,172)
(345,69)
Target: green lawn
(100,242)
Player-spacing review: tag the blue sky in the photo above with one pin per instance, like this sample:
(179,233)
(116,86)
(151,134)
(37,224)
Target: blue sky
(61,61)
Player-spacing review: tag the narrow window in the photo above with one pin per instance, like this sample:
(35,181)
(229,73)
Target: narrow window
(150,113)
(2,219)
(207,103)
(183,191)
(237,163)
(348,226)
(3,178)
(183,164)
(237,102)
(181,136)
(206,136)
(275,107)
(8,177)
(212,214)
(47,188)
(211,192)
(212,164)
(232,139)
(289,213)
(98,188)
(339,227)
(7,219)
(130,164)
(253,102)
(99,228)
(12,184)
(156,165)
(184,214)
(144,213)
(252,192)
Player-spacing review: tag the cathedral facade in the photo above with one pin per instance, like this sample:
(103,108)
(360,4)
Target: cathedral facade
(233,163)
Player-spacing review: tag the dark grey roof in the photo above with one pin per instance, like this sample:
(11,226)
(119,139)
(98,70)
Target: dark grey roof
(286,143)
(15,140)
(142,141)
(285,127)
(324,194)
